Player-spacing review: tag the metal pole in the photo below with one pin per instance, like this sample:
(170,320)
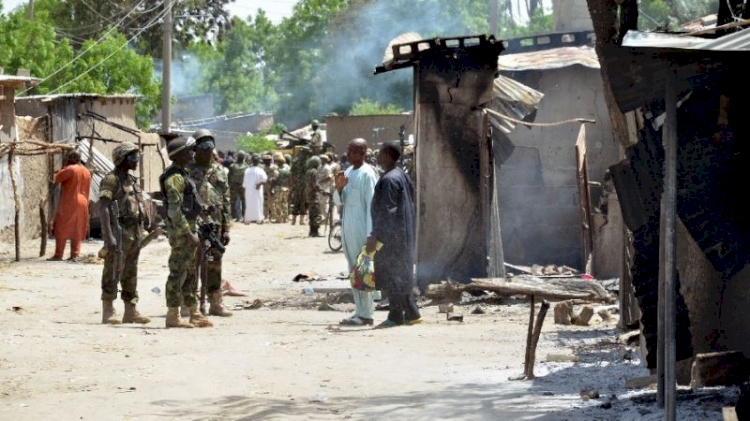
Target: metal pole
(166,82)
(669,243)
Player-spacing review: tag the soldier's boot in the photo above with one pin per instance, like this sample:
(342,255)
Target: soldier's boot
(133,316)
(174,320)
(109,316)
(217,306)
(197,319)
(294,219)
(184,311)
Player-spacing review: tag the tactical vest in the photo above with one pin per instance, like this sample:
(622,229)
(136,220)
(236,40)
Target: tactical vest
(129,200)
(191,203)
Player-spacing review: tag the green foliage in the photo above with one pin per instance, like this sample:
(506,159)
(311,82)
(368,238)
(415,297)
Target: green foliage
(669,14)
(255,143)
(366,106)
(104,67)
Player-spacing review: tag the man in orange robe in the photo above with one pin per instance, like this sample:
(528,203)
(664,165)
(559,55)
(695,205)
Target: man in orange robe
(72,217)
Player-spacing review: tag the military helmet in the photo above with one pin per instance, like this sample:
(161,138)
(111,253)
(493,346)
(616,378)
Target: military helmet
(266,157)
(179,144)
(123,150)
(315,123)
(202,133)
(288,158)
(278,157)
(324,157)
(313,162)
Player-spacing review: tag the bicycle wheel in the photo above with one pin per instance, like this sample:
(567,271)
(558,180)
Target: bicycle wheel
(334,237)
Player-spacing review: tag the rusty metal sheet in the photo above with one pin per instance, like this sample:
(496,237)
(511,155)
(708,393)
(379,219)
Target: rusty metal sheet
(555,58)
(513,99)
(737,41)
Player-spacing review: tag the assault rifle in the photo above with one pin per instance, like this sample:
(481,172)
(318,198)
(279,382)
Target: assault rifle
(114,222)
(209,242)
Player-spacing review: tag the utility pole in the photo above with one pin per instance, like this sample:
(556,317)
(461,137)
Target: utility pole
(492,17)
(166,71)
(31,9)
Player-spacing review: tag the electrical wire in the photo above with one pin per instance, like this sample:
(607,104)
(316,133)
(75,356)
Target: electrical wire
(148,25)
(85,51)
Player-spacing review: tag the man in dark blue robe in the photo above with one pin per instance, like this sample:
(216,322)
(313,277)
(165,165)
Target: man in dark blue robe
(394,225)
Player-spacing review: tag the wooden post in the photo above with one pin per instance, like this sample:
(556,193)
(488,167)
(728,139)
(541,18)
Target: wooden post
(535,339)
(44,226)
(529,336)
(668,248)
(17,202)
(585,205)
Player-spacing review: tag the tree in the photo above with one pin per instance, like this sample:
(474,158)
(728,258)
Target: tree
(671,13)
(366,106)
(108,66)
(139,20)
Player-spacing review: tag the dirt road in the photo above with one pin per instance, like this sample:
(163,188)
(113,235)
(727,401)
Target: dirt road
(284,361)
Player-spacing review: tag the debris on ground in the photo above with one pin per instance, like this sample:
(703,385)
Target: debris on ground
(587,394)
(553,289)
(306,276)
(477,310)
(445,308)
(455,318)
(718,369)
(247,305)
(324,306)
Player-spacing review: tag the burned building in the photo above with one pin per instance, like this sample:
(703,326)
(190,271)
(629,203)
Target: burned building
(458,223)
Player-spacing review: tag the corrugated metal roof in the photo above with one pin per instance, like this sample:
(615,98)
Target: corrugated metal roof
(12,80)
(79,95)
(737,41)
(513,99)
(555,58)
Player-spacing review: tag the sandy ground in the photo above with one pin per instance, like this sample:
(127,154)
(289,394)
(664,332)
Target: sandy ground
(289,361)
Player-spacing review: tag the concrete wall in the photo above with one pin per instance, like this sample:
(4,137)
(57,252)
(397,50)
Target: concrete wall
(537,185)
(342,129)
(571,15)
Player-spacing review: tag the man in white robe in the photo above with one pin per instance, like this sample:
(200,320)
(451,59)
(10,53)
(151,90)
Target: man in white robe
(354,190)
(255,179)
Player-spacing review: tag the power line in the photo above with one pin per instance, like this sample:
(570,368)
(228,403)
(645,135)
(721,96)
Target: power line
(85,51)
(148,25)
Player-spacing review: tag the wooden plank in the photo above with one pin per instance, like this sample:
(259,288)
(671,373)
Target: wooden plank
(548,289)
(585,205)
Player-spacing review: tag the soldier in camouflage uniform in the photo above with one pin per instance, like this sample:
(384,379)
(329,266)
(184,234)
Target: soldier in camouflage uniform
(213,189)
(183,208)
(282,188)
(269,193)
(316,140)
(121,189)
(236,191)
(312,195)
(297,202)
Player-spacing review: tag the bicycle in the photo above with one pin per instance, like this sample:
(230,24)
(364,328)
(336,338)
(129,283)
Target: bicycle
(334,229)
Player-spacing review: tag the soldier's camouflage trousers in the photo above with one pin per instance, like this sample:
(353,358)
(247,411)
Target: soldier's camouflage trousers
(237,201)
(182,280)
(313,210)
(281,206)
(297,202)
(131,248)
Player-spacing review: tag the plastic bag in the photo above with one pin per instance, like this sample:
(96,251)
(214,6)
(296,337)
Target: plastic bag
(362,274)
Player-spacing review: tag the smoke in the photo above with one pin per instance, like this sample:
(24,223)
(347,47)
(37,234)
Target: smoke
(359,47)
(187,75)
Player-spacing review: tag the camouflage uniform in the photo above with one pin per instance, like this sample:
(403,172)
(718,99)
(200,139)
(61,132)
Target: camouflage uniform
(213,188)
(325,185)
(297,202)
(282,193)
(316,142)
(237,192)
(183,258)
(269,192)
(123,189)
(312,194)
